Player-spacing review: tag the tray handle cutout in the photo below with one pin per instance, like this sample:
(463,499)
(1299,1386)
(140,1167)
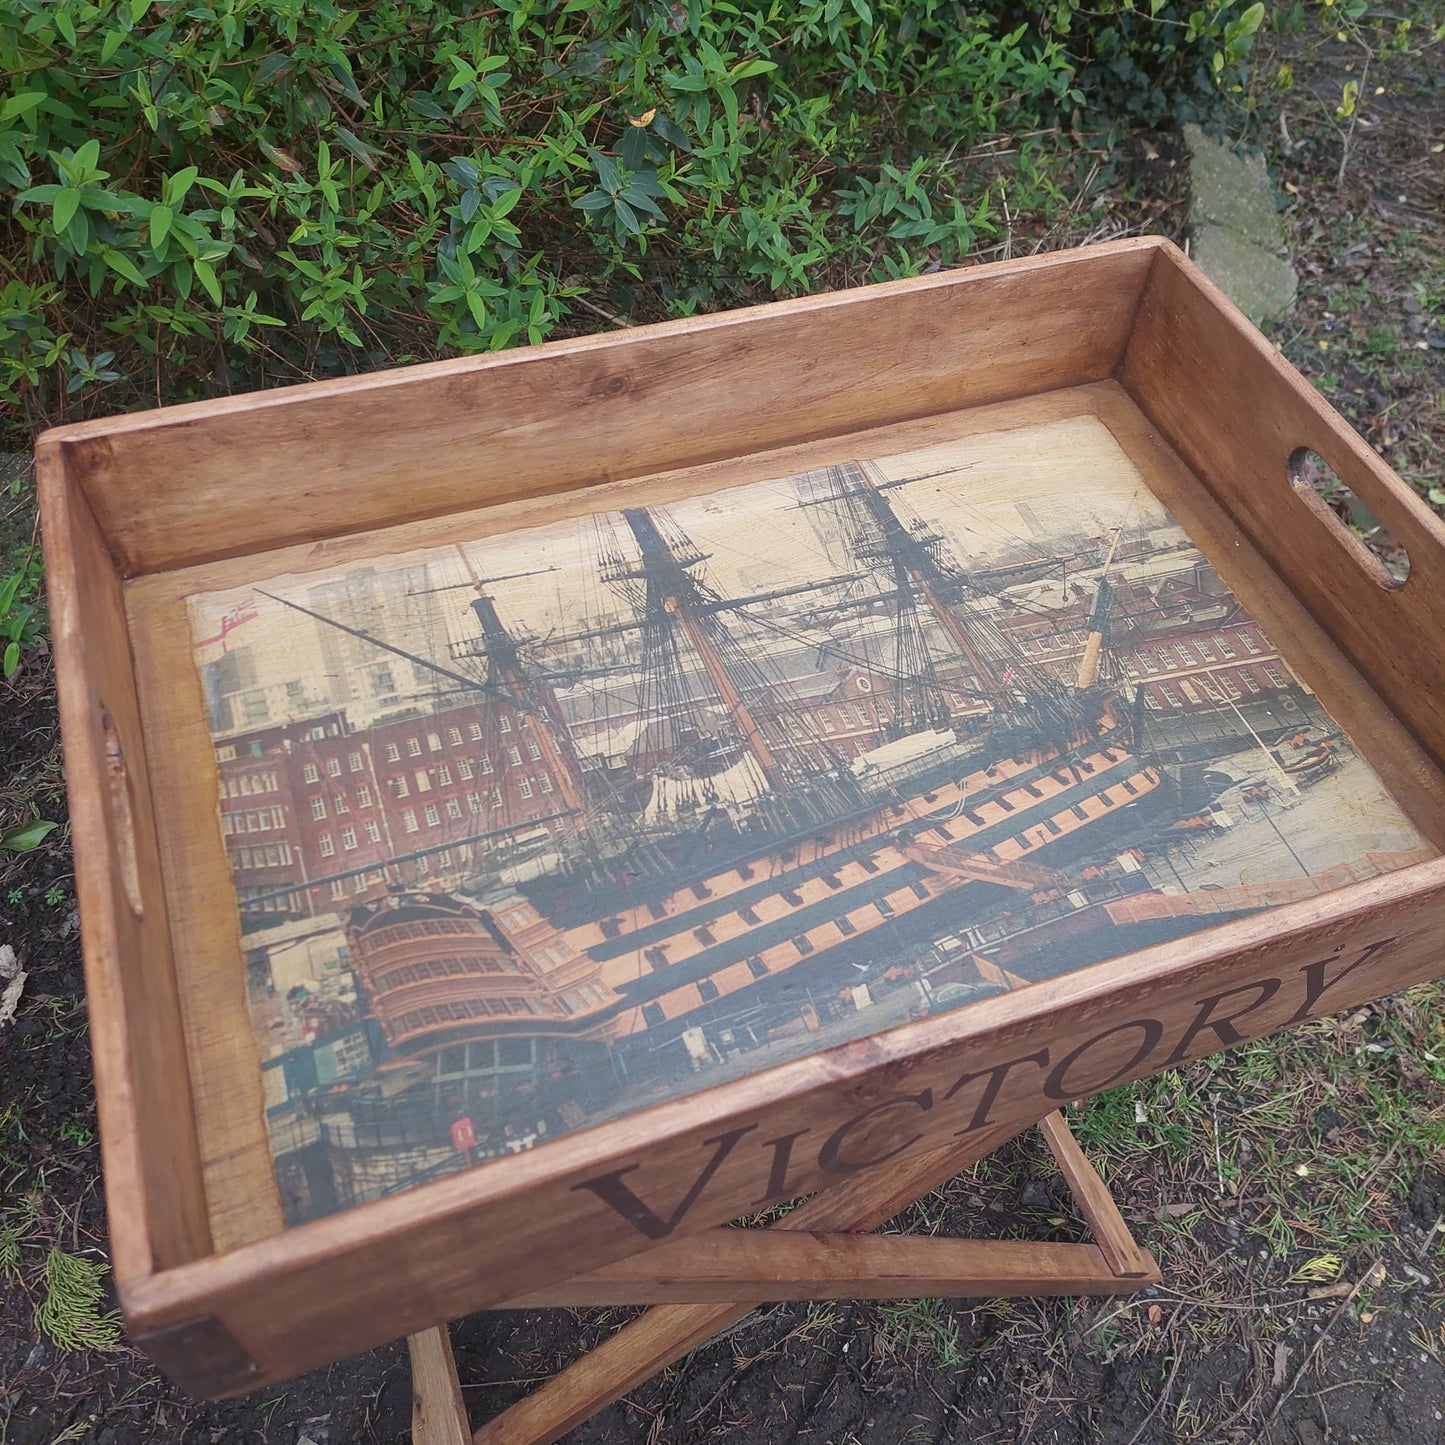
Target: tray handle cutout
(122,812)
(1306,469)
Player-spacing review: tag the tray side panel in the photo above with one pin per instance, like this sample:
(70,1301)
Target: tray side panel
(218,479)
(241,1193)
(154,1189)
(344,1284)
(1237,412)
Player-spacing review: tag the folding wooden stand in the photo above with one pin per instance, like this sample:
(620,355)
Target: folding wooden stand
(821,1250)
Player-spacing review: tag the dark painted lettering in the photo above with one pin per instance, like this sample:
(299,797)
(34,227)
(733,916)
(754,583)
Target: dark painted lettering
(610,1189)
(991,1089)
(1223,1029)
(1316,983)
(830,1156)
(782,1148)
(1057,1085)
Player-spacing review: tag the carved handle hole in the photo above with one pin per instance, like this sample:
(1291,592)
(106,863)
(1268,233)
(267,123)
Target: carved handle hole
(1348,519)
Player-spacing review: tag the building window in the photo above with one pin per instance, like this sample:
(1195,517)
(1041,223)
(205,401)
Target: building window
(514,756)
(393,754)
(803,943)
(474,803)
(400,786)
(408,821)
(534,752)
(707,990)
(354,762)
(484,765)
(338,888)
(525,787)
(757,967)
(474,731)
(464,767)
(339,804)
(423,782)
(358,884)
(434,742)
(506,723)
(333,767)
(318,807)
(454,737)
(444,776)
(454,808)
(413,747)
(545,782)
(311,773)
(348,838)
(226,754)
(325,845)
(373,833)
(432,816)
(652,1015)
(363,796)
(278,817)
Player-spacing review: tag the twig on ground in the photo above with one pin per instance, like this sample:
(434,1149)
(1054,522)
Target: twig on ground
(1370,1276)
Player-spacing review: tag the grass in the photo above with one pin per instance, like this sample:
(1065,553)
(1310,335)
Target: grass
(70,1315)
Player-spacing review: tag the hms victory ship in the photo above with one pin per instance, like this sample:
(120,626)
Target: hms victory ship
(676,830)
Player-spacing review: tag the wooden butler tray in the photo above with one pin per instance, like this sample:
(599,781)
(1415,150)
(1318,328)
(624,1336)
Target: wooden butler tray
(1273,713)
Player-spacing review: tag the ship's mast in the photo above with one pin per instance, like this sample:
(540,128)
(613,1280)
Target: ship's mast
(505,673)
(674,595)
(1098,620)
(914,550)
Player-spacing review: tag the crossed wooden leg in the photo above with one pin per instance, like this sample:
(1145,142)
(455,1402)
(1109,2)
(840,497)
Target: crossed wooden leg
(821,1250)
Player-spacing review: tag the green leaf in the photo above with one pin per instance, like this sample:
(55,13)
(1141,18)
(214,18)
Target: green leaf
(272,68)
(177,185)
(626,215)
(67,203)
(207,277)
(119,262)
(607,173)
(366,154)
(12,661)
(25,836)
(21,103)
(634,148)
(160,226)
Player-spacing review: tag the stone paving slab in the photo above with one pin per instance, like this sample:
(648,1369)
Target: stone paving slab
(1236,235)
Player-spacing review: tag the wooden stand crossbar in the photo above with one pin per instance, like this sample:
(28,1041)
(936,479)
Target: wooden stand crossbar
(821,1250)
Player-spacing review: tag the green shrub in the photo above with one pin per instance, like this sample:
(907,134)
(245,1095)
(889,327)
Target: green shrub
(1150,62)
(224,193)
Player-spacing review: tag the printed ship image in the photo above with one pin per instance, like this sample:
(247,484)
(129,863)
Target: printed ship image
(806,812)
